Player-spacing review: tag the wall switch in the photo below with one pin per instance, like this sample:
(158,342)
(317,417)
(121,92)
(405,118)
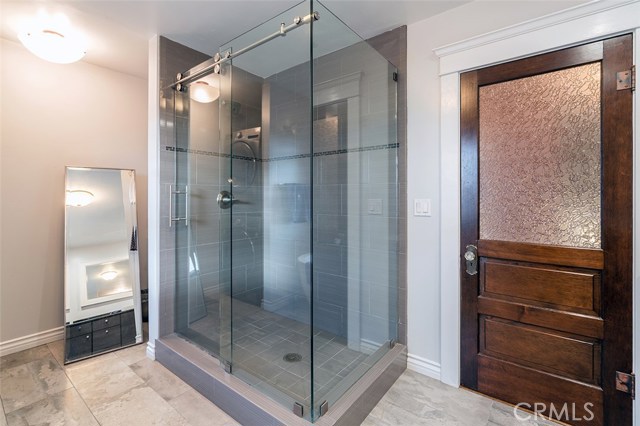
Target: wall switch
(374,206)
(422,207)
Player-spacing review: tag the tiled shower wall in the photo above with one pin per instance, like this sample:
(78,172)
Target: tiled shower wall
(245,112)
(174,58)
(393,46)
(363,168)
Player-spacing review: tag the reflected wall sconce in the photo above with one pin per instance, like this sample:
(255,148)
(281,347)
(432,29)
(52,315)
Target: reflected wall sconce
(79,198)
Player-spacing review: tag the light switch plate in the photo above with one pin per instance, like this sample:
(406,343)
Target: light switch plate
(422,207)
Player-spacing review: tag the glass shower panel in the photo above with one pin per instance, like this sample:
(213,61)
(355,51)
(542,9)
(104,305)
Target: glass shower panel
(196,222)
(355,209)
(224,208)
(268,107)
(178,212)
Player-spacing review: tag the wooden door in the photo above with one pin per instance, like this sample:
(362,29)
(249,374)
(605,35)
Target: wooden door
(546,197)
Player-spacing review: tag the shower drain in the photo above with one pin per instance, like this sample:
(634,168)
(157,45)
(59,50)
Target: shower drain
(292,357)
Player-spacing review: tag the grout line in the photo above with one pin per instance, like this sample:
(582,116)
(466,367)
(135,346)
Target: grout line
(73,385)
(3,413)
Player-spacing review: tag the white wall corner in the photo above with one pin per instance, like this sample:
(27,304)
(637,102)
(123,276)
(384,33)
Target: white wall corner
(154,193)
(31,341)
(450,229)
(423,366)
(151,349)
(636,233)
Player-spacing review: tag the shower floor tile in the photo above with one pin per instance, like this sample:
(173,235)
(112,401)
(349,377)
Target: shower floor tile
(263,338)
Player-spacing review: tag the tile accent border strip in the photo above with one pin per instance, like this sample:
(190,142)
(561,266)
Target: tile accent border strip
(286,157)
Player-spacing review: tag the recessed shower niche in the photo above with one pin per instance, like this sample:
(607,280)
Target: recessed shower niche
(279,220)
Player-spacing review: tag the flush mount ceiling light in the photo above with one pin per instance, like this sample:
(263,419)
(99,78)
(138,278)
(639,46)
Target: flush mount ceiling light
(108,275)
(53,39)
(79,198)
(203,92)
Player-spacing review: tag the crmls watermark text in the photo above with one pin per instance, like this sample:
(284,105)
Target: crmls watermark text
(564,412)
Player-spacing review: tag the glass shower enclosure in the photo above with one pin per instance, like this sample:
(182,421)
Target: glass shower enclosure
(286,212)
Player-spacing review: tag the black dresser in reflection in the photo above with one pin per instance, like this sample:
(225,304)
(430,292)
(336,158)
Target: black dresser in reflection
(100,334)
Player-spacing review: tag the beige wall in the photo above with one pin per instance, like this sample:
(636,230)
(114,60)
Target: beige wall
(52,116)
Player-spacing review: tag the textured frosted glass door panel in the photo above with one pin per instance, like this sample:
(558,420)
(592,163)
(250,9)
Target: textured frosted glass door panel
(540,159)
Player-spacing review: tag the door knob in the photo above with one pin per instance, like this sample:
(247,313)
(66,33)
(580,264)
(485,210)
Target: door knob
(471,257)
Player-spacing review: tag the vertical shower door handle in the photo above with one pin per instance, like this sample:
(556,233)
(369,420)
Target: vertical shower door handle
(173,218)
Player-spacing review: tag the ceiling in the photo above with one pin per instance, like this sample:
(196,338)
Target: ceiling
(118,31)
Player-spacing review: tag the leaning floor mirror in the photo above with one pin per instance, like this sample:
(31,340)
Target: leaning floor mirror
(102,279)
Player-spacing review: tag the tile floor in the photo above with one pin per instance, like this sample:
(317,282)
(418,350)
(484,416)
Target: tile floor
(126,388)
(263,338)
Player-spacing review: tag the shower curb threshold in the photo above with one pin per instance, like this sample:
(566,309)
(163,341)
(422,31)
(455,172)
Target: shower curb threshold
(249,406)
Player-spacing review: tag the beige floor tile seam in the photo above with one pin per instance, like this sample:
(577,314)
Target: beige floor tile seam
(47,396)
(3,421)
(145,384)
(73,384)
(176,397)
(116,396)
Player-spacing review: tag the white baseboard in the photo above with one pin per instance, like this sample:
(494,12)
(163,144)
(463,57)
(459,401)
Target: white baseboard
(31,341)
(151,349)
(423,366)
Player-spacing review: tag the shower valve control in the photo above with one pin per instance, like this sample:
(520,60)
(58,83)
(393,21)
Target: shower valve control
(225,199)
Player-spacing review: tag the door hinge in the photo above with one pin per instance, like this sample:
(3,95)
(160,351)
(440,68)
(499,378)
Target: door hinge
(626,382)
(395,76)
(626,79)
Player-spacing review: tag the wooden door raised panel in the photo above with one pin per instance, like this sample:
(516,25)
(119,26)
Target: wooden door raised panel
(545,285)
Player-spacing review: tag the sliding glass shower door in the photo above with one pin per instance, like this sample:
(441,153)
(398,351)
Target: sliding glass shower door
(199,226)
(267,129)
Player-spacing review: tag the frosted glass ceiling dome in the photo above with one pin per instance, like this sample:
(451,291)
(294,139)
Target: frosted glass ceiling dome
(53,39)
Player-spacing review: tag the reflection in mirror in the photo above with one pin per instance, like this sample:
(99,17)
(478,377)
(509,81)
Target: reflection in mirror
(102,284)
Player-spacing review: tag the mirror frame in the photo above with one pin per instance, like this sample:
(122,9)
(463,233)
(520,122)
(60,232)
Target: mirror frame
(84,301)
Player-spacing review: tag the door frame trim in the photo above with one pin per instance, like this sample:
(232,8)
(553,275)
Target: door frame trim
(565,29)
